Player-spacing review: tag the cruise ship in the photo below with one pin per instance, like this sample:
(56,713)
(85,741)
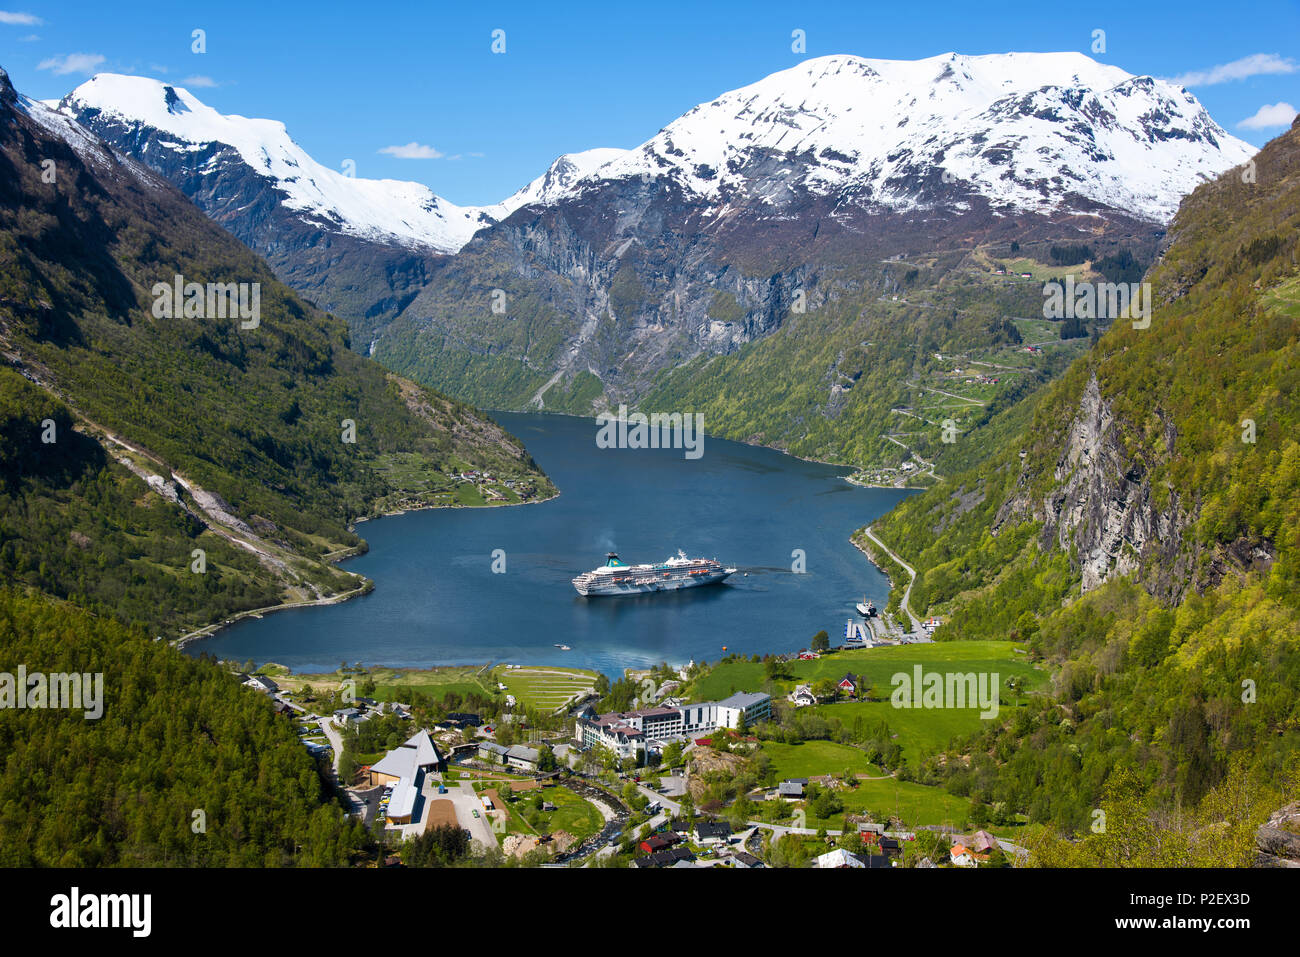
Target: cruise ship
(616,577)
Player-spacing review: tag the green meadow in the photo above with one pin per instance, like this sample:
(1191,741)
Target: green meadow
(396,684)
(920,731)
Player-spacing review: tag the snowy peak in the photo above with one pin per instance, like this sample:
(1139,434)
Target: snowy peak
(1032,131)
(561,179)
(154,116)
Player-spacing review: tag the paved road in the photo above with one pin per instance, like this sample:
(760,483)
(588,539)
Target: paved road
(916,622)
(335,739)
(467,802)
(951,395)
(929,466)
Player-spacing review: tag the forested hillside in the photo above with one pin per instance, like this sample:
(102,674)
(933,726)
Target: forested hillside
(158,474)
(176,736)
(855,378)
(1142,535)
(273,433)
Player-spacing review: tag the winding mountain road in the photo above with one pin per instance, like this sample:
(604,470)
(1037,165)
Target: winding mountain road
(907,592)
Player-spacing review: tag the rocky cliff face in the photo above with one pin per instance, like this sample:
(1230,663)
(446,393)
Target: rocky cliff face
(628,292)
(1100,507)
(1103,509)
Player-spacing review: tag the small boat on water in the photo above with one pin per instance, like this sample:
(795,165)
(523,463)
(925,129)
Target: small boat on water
(866,608)
(563,647)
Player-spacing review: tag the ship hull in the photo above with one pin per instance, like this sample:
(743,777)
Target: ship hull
(645,588)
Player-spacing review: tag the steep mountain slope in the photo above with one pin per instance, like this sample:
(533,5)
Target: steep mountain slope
(713,233)
(158,118)
(617,265)
(360,248)
(1141,534)
(256,441)
(175,735)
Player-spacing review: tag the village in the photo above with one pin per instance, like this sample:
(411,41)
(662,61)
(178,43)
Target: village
(570,784)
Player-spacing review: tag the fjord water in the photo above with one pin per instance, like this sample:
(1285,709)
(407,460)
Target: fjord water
(438,601)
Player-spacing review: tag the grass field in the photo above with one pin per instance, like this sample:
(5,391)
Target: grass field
(396,684)
(1015,267)
(878,664)
(572,813)
(810,758)
(915,804)
(1284,298)
(920,731)
(544,688)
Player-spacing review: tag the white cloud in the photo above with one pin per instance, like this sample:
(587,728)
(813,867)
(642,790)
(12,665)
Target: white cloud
(200,81)
(1257,64)
(72,63)
(1279,114)
(23,19)
(412,151)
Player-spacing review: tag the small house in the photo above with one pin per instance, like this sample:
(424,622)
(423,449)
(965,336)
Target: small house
(712,832)
(961,856)
(790,790)
(262,683)
(838,858)
(660,842)
(802,696)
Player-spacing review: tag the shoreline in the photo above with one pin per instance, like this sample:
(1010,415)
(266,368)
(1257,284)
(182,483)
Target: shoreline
(710,435)
(208,631)
(753,445)
(333,558)
(431,507)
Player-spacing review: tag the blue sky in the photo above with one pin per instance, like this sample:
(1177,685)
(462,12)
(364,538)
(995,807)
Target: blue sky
(349,79)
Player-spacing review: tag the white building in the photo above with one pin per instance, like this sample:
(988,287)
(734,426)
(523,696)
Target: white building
(754,705)
(627,732)
(417,755)
(802,696)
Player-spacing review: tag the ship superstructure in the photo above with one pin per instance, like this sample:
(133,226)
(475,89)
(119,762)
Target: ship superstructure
(616,577)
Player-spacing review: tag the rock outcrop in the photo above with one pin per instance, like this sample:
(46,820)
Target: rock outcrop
(1278,840)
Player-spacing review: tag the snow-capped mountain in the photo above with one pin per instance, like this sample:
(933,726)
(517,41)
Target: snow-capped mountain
(1028,131)
(563,178)
(699,240)
(360,247)
(148,117)
(839,159)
